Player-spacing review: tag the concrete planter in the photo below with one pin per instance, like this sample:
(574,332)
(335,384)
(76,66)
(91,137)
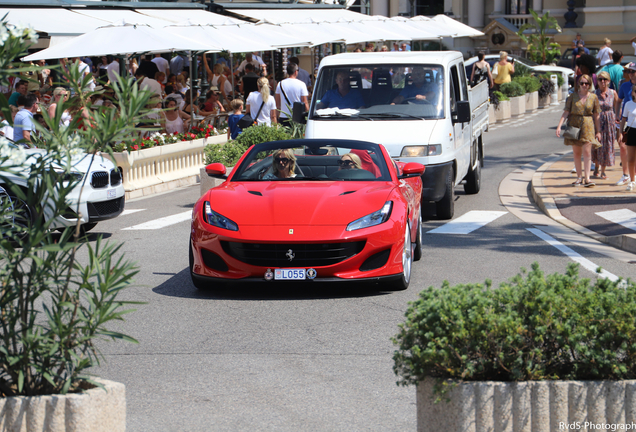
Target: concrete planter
(532,101)
(532,406)
(544,102)
(208,182)
(502,112)
(518,106)
(492,119)
(159,169)
(95,410)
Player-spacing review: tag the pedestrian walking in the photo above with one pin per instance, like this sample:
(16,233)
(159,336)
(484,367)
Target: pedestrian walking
(260,105)
(615,70)
(585,65)
(624,96)
(629,118)
(288,92)
(604,156)
(502,70)
(604,55)
(582,110)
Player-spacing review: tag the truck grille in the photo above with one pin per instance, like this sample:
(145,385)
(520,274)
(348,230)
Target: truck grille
(303,255)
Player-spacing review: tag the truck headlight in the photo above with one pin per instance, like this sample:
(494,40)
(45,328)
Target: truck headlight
(421,150)
(373,219)
(215,219)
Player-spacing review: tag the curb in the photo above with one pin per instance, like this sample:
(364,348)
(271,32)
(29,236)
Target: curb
(545,202)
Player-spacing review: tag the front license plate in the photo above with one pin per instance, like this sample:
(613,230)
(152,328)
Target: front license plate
(111,193)
(289,274)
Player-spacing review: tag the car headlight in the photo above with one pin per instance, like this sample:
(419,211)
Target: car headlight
(373,219)
(73,176)
(217,220)
(421,150)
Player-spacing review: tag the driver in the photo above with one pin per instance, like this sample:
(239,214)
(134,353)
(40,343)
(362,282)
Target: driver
(420,90)
(343,96)
(283,165)
(349,161)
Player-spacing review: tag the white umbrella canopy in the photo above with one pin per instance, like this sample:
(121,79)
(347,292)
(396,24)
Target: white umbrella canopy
(461,29)
(403,28)
(230,38)
(122,38)
(428,24)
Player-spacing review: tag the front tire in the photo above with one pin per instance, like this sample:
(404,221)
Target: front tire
(473,179)
(407,263)
(417,252)
(446,206)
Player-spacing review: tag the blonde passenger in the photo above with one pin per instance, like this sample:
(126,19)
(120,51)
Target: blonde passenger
(349,161)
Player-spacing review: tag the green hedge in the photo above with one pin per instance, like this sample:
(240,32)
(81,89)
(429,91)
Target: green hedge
(512,89)
(229,153)
(529,83)
(500,96)
(534,327)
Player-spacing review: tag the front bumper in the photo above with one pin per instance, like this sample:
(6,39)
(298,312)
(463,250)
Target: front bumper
(434,181)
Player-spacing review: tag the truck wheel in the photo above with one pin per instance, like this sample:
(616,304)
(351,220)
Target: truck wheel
(446,206)
(417,252)
(473,178)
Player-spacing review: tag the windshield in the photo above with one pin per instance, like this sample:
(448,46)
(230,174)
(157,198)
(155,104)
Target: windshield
(384,92)
(339,160)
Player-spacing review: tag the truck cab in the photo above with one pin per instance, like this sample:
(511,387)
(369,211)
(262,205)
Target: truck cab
(417,104)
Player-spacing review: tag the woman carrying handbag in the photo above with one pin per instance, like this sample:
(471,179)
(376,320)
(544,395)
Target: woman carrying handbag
(629,137)
(582,110)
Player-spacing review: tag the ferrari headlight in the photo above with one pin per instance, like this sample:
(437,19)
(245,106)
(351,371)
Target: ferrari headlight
(421,150)
(217,220)
(373,219)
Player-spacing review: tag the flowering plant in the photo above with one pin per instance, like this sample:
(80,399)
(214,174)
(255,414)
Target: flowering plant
(159,139)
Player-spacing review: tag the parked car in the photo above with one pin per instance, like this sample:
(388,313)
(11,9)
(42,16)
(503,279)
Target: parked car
(328,221)
(101,196)
(534,67)
(566,58)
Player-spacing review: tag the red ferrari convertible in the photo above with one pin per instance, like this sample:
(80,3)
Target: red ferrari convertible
(309,210)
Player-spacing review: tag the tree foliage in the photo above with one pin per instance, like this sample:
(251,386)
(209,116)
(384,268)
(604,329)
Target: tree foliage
(541,47)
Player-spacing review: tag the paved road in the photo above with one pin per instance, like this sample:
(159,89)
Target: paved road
(316,360)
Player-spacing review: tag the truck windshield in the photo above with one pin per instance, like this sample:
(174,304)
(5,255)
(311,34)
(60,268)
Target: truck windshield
(379,92)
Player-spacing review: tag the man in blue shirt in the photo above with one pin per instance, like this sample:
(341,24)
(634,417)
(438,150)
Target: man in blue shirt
(615,70)
(23,126)
(576,53)
(342,97)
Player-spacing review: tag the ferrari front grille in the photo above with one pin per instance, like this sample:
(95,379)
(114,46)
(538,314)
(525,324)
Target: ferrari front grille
(292,254)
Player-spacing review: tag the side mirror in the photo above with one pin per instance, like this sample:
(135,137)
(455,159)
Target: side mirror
(462,114)
(412,169)
(298,113)
(216,170)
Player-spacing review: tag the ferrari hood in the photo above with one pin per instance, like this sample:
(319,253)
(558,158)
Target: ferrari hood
(297,203)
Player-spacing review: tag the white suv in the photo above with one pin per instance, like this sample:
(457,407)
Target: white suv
(100,198)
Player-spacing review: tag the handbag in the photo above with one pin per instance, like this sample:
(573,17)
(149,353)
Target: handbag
(571,132)
(247,120)
(495,71)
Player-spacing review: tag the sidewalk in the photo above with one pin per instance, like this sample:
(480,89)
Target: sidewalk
(605,212)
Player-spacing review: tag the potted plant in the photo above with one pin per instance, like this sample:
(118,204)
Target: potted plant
(516,93)
(535,354)
(230,152)
(545,90)
(502,108)
(55,303)
(531,85)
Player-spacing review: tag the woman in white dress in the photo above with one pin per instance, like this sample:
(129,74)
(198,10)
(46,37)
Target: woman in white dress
(60,94)
(267,114)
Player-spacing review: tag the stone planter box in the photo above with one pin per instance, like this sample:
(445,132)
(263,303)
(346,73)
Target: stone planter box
(95,410)
(208,182)
(544,102)
(518,106)
(162,168)
(532,406)
(532,101)
(492,119)
(502,112)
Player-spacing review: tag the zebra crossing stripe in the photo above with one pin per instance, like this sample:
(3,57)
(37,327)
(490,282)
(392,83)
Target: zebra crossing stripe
(130,211)
(468,222)
(162,222)
(624,217)
(574,256)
